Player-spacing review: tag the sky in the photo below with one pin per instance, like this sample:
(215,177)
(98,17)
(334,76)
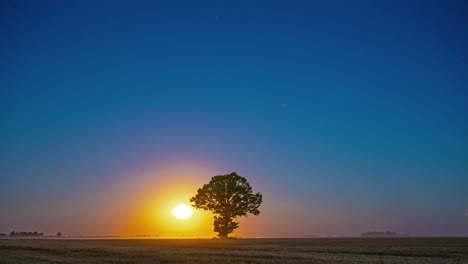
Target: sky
(348,116)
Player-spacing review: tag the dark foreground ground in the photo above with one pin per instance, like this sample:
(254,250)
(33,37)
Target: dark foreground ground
(339,250)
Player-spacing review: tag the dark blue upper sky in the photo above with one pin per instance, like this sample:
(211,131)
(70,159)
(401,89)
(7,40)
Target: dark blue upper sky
(356,106)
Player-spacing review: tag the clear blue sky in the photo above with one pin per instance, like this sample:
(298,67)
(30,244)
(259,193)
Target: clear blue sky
(359,107)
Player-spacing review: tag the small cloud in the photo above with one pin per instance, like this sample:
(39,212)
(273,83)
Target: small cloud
(284,105)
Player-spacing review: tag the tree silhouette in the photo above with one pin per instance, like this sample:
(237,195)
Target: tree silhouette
(228,197)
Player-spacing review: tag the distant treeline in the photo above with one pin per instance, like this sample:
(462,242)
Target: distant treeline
(383,234)
(15,234)
(28,234)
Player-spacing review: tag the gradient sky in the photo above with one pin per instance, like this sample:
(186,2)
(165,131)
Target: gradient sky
(349,116)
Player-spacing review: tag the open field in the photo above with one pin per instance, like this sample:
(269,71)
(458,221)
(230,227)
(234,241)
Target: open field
(332,250)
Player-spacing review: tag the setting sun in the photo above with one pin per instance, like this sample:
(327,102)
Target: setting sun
(182,211)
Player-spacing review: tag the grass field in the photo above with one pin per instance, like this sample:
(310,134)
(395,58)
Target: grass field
(332,250)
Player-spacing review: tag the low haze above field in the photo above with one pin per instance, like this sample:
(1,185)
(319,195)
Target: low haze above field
(348,116)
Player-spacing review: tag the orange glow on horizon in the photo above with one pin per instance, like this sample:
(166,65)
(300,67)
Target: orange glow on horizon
(155,213)
(143,203)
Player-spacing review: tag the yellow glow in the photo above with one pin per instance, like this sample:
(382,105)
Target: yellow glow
(182,212)
(156,197)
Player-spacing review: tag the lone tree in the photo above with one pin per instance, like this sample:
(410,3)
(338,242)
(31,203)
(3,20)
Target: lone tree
(228,197)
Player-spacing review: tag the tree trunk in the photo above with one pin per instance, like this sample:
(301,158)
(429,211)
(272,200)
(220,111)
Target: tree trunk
(223,234)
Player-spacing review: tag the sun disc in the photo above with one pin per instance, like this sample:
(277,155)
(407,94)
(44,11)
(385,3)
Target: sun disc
(182,211)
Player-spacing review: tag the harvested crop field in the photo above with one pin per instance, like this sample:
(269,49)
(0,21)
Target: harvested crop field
(329,250)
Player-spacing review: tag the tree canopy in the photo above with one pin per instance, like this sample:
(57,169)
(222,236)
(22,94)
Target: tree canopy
(228,197)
